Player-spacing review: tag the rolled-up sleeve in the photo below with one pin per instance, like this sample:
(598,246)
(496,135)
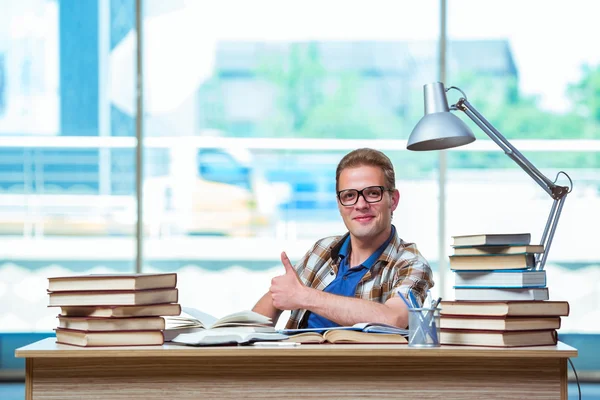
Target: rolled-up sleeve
(416,277)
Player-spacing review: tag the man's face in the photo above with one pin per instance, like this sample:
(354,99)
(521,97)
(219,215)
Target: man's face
(367,220)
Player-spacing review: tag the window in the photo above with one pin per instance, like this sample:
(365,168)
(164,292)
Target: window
(531,85)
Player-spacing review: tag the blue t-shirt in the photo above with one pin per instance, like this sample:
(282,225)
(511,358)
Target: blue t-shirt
(347,278)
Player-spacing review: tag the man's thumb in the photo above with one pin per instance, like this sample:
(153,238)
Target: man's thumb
(287,264)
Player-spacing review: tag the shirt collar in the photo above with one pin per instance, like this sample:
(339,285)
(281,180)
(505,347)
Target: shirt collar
(368,263)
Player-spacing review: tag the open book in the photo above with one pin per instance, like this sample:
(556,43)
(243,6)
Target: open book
(358,333)
(193,318)
(346,336)
(198,328)
(227,336)
(368,327)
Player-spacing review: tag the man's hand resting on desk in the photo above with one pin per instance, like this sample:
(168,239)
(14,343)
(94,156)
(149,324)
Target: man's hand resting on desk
(287,292)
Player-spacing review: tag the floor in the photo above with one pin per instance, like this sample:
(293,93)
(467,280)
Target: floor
(589,391)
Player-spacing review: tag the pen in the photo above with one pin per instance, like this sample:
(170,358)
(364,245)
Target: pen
(404,300)
(413,299)
(276,344)
(431,318)
(428,298)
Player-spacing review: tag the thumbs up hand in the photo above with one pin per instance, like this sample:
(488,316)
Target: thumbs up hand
(286,290)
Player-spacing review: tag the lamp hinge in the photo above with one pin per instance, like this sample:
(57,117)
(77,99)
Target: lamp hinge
(558,192)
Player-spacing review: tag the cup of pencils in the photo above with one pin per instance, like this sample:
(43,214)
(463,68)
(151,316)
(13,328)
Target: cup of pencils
(423,322)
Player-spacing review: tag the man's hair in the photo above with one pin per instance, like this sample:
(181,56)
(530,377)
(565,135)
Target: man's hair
(367,157)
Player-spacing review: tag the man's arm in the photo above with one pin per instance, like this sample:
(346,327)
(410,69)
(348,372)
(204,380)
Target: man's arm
(265,307)
(288,293)
(350,310)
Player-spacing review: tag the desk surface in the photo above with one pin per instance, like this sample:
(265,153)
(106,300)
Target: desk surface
(48,348)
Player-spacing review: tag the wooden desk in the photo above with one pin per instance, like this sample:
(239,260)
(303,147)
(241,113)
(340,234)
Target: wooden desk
(308,372)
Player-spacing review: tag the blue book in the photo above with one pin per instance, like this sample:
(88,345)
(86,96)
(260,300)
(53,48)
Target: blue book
(500,279)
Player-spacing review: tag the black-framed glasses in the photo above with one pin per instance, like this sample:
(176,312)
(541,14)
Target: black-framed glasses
(371,194)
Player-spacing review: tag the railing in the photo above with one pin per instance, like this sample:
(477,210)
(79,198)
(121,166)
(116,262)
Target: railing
(82,142)
(29,211)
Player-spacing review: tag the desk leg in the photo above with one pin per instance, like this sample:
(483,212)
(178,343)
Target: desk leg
(29,379)
(564,382)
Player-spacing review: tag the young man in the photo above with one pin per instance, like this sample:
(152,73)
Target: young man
(357,277)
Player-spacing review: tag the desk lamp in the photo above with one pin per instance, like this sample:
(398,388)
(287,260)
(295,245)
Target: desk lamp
(439,129)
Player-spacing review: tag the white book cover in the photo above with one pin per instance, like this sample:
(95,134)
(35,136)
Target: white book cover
(225,336)
(499,279)
(477,294)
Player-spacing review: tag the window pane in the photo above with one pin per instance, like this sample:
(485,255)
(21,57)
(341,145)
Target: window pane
(238,104)
(537,84)
(67,199)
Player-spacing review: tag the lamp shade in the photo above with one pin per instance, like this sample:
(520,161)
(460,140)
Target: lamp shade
(438,129)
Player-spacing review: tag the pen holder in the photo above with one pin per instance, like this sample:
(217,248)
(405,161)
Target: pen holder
(424,327)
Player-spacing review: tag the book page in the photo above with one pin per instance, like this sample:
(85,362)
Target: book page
(192,317)
(306,337)
(352,336)
(245,317)
(206,320)
(318,330)
(189,318)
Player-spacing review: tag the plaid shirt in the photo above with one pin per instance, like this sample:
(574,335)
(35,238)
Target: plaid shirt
(400,268)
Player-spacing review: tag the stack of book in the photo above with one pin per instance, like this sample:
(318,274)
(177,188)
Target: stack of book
(113,310)
(501,298)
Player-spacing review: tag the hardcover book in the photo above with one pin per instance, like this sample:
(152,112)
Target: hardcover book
(492,262)
(500,323)
(499,279)
(497,338)
(148,310)
(113,297)
(111,324)
(486,250)
(113,338)
(486,239)
(501,294)
(104,282)
(506,308)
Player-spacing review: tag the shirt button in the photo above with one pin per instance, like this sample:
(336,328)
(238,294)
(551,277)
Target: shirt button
(345,278)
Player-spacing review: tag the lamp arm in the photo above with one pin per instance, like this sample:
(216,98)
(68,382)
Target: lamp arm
(549,230)
(558,193)
(555,191)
